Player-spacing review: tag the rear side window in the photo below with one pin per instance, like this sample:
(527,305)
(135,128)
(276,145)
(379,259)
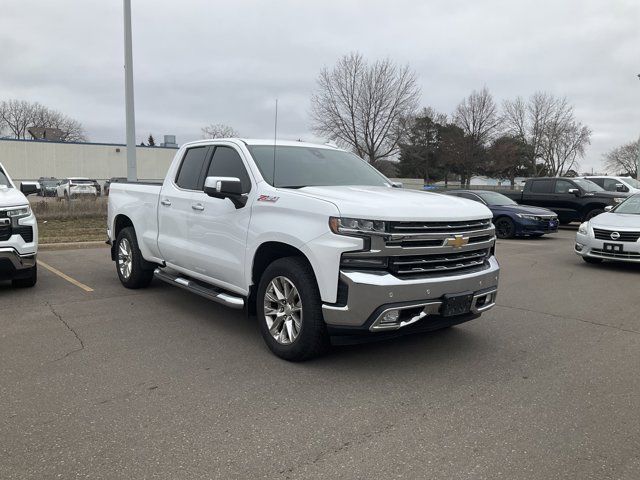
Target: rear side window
(598,181)
(562,186)
(191,167)
(541,186)
(610,184)
(226,162)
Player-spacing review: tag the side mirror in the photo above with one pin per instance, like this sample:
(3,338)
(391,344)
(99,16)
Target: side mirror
(575,191)
(397,184)
(608,208)
(621,188)
(225,187)
(29,188)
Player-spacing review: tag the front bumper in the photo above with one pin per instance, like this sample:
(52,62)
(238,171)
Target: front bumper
(14,265)
(589,246)
(537,227)
(370,295)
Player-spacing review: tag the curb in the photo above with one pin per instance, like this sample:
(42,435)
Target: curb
(71,245)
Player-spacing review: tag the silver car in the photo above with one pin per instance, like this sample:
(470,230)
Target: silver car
(613,235)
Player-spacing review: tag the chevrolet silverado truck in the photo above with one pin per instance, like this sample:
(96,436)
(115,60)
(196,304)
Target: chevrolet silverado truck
(312,239)
(18,233)
(572,199)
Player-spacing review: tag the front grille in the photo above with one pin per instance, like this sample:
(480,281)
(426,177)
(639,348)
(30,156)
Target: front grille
(25,232)
(5,232)
(622,255)
(440,227)
(602,234)
(441,263)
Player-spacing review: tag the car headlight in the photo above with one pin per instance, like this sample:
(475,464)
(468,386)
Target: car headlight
(529,217)
(347,226)
(19,212)
(584,228)
(619,199)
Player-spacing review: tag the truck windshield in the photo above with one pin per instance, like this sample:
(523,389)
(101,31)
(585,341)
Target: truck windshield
(4,180)
(298,167)
(630,205)
(588,185)
(631,182)
(495,199)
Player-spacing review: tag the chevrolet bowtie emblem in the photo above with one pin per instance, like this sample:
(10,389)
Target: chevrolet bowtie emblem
(458,241)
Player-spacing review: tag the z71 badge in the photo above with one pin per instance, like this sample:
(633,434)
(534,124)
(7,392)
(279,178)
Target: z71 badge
(267,198)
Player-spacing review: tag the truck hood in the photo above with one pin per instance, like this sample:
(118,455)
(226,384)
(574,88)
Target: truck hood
(397,204)
(11,197)
(612,220)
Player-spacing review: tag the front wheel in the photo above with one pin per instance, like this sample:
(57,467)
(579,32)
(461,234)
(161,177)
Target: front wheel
(289,310)
(505,228)
(132,268)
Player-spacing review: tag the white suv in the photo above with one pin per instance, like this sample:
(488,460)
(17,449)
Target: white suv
(617,184)
(18,233)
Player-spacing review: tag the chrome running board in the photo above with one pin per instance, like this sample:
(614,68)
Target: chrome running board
(208,292)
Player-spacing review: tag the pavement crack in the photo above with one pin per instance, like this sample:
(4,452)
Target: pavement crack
(564,317)
(71,329)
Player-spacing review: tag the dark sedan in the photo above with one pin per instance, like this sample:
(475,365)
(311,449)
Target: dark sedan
(48,186)
(512,220)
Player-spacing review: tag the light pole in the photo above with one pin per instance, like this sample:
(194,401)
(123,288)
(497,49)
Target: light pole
(132,174)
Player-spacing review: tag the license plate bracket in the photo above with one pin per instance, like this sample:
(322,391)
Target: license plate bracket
(456,304)
(613,247)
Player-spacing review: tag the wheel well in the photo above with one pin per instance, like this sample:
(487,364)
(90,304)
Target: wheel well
(266,254)
(589,207)
(121,222)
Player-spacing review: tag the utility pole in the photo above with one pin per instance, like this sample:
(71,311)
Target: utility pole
(132,173)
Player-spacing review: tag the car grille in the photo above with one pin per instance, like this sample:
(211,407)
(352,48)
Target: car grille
(602,234)
(25,232)
(621,255)
(440,227)
(439,263)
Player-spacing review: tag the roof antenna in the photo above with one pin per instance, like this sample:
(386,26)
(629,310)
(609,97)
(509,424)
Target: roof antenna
(275,137)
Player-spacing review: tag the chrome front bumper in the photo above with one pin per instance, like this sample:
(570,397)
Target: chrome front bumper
(19,262)
(370,293)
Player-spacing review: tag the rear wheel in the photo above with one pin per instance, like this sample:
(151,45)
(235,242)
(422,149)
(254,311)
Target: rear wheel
(29,281)
(289,310)
(505,228)
(592,260)
(133,270)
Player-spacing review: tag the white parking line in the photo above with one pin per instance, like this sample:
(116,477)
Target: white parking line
(66,277)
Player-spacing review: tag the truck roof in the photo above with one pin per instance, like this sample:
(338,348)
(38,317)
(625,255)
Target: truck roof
(268,142)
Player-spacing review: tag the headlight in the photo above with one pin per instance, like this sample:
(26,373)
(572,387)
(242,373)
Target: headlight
(619,199)
(584,228)
(529,217)
(19,212)
(346,226)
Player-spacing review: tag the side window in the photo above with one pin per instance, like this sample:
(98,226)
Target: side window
(562,186)
(609,184)
(541,186)
(226,162)
(598,181)
(191,167)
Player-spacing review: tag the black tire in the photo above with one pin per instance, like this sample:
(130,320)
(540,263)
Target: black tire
(505,228)
(312,338)
(28,281)
(140,272)
(592,213)
(592,260)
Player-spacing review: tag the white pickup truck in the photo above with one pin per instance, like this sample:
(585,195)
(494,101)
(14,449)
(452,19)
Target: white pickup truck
(18,233)
(311,238)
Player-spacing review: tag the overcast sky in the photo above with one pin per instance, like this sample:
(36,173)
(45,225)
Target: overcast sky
(203,61)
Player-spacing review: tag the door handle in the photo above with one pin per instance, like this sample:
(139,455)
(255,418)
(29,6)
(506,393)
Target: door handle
(165,202)
(198,206)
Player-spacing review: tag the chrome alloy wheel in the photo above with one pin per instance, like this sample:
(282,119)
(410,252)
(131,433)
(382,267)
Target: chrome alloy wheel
(283,310)
(125,258)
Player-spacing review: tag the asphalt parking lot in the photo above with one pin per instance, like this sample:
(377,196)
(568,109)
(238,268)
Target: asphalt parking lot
(101,382)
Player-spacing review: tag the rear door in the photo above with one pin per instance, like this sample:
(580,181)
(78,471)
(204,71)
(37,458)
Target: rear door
(218,230)
(175,208)
(565,204)
(540,193)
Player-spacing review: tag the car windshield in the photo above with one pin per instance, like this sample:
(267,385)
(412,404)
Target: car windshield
(81,182)
(631,182)
(297,167)
(631,205)
(588,185)
(4,180)
(49,183)
(495,199)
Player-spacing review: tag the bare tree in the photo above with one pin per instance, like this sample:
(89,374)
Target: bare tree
(548,126)
(19,115)
(478,117)
(219,130)
(623,159)
(365,106)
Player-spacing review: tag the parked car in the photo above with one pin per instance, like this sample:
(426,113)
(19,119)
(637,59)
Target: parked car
(96,184)
(74,187)
(616,184)
(572,199)
(108,183)
(48,186)
(612,235)
(18,232)
(510,219)
(312,238)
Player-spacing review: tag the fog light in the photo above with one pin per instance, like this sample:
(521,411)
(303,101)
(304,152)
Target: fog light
(579,247)
(391,316)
